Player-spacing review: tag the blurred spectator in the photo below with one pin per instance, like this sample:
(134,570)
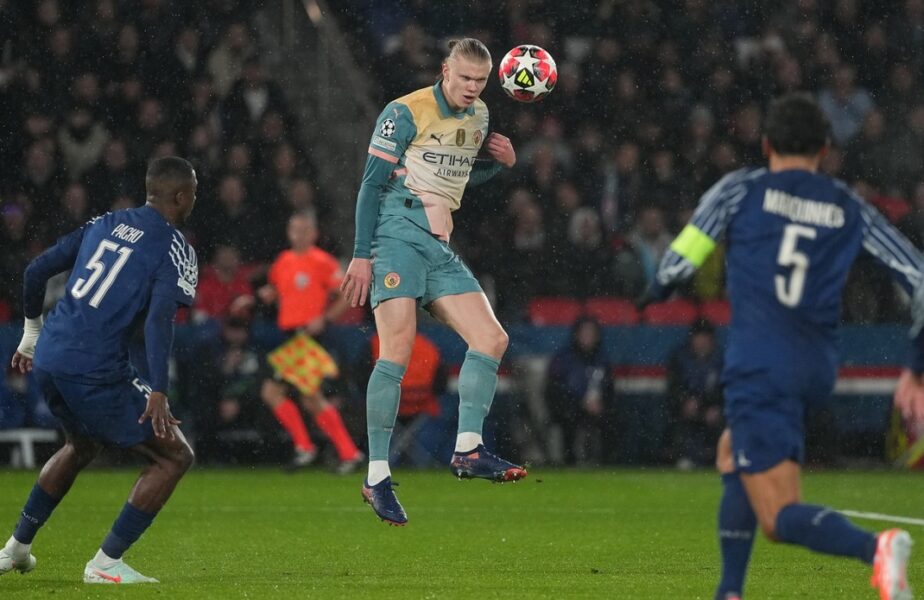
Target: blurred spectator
(621,186)
(845,104)
(226,386)
(222,282)
(116,176)
(589,260)
(867,156)
(579,394)
(226,61)
(81,139)
(251,97)
(650,240)
(694,398)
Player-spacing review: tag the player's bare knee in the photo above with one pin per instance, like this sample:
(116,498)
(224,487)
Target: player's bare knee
(315,403)
(493,343)
(82,450)
(769,531)
(272,393)
(398,349)
(182,459)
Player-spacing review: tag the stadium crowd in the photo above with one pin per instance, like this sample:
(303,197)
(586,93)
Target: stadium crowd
(655,101)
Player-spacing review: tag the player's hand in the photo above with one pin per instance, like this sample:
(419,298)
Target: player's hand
(909,396)
(21,363)
(158,410)
(316,326)
(267,294)
(355,285)
(501,149)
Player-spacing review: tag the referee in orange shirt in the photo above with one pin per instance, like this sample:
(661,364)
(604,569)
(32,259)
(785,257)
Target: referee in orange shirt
(305,282)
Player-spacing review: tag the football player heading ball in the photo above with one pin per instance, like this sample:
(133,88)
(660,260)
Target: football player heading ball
(422,155)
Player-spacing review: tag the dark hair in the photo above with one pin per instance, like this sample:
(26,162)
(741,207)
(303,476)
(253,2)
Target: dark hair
(170,168)
(795,125)
(470,48)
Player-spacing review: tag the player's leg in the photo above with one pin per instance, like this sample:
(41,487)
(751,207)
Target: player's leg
(56,477)
(396,323)
(273,394)
(328,420)
(169,459)
(52,485)
(775,496)
(736,523)
(469,314)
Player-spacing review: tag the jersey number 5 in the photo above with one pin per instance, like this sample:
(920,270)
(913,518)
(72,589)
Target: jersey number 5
(83,286)
(789,291)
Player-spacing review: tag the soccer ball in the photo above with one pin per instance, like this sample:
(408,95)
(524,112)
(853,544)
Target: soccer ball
(527,73)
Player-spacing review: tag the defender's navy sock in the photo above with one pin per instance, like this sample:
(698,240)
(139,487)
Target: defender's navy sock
(126,530)
(824,530)
(737,524)
(37,510)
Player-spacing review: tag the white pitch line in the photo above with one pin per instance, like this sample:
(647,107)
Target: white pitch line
(881,517)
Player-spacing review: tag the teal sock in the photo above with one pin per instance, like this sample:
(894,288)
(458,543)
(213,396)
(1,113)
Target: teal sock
(383,395)
(477,382)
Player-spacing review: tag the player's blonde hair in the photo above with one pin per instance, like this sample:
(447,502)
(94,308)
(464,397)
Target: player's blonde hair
(469,48)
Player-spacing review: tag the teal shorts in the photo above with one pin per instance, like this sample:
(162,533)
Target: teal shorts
(408,262)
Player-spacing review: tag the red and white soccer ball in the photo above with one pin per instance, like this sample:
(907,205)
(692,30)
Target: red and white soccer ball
(527,73)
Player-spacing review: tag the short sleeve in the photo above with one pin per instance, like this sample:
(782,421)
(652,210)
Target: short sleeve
(394,131)
(335,274)
(178,273)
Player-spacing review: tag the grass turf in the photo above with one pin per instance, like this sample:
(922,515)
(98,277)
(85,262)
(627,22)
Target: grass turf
(558,534)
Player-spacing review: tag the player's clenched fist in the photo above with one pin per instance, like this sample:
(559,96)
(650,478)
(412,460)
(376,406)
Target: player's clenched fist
(501,149)
(355,285)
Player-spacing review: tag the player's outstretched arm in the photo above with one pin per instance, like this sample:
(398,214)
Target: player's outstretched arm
(698,239)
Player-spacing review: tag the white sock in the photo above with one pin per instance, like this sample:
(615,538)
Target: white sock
(103,560)
(468,441)
(17,549)
(378,470)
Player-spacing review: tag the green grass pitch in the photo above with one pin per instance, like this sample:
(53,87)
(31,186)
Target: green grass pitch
(596,534)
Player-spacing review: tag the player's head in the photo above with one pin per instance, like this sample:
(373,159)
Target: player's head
(171,187)
(465,72)
(302,230)
(795,126)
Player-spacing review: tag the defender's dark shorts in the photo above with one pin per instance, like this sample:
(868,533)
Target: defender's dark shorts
(105,412)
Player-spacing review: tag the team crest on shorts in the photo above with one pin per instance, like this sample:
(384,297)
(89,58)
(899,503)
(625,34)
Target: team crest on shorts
(392,280)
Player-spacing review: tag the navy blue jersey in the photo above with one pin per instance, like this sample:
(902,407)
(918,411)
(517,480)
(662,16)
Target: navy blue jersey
(791,238)
(121,261)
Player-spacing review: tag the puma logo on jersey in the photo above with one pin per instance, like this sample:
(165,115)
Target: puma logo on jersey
(438,138)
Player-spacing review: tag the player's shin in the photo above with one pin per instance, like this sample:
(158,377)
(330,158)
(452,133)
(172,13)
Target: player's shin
(824,530)
(477,384)
(37,510)
(737,525)
(383,396)
(126,530)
